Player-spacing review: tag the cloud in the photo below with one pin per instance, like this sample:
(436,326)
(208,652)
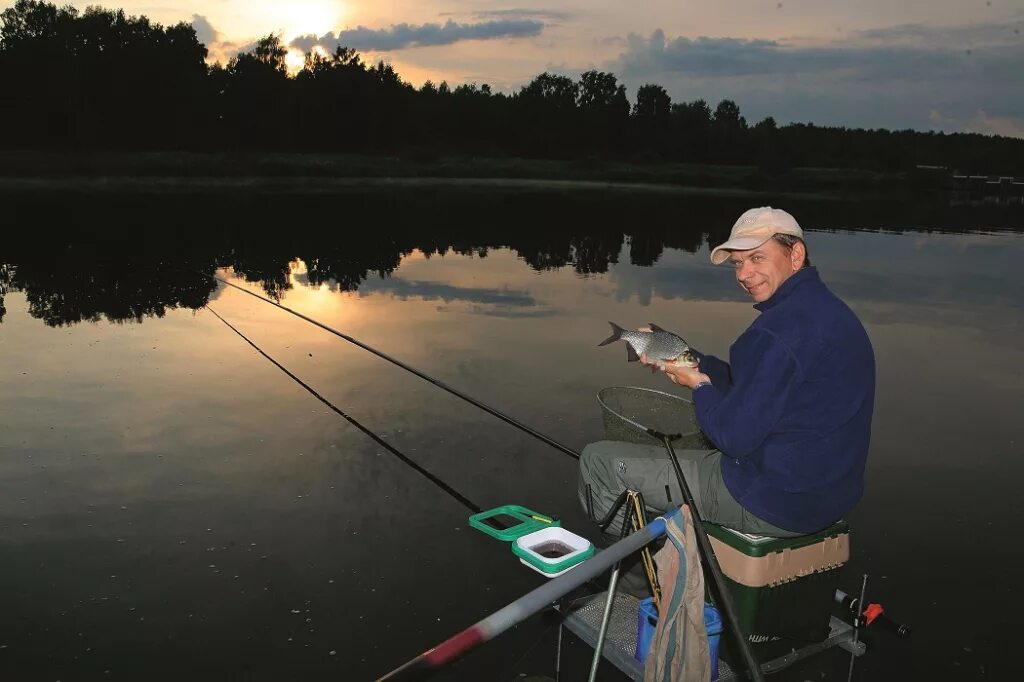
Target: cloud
(903,76)
(738,57)
(218,49)
(400,36)
(547,15)
(204,30)
(996,125)
(956,36)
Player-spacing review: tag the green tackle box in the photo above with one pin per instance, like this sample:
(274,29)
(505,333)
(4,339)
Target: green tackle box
(784,588)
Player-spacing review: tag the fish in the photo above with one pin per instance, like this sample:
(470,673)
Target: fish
(659,345)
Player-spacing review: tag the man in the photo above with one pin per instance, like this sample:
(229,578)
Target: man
(790,413)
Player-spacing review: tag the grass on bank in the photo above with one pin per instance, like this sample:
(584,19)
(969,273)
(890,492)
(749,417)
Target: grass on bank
(42,165)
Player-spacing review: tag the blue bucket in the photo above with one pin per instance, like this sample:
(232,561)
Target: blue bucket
(647,621)
(713,625)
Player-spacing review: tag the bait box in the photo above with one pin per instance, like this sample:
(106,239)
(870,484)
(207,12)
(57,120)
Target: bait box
(783,588)
(552,550)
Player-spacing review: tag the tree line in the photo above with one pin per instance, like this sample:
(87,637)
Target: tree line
(101,79)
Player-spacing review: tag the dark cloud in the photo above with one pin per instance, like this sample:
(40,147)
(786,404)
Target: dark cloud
(959,78)
(737,57)
(400,36)
(974,34)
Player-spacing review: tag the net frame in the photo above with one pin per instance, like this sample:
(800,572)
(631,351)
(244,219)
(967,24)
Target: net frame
(645,415)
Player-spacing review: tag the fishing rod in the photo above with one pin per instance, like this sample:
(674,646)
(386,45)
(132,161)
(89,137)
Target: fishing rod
(529,604)
(462,499)
(426,377)
(722,592)
(459,497)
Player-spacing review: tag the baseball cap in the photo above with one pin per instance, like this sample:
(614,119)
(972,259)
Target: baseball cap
(754,228)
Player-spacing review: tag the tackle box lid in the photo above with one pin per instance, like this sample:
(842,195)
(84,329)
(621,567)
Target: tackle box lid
(762,545)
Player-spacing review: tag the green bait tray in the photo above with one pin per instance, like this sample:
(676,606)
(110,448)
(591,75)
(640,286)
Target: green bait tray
(510,522)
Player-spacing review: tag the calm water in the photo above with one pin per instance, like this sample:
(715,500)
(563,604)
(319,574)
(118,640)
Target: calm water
(174,506)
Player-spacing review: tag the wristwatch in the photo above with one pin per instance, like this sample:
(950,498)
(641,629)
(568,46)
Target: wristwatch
(701,383)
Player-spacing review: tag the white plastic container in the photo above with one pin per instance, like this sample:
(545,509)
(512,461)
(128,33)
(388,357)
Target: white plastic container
(552,551)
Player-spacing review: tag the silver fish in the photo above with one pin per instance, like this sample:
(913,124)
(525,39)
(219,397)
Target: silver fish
(659,345)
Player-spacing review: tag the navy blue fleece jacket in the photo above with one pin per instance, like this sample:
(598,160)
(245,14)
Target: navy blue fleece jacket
(791,410)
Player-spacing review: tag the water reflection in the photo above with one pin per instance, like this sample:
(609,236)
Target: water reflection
(72,271)
(173,497)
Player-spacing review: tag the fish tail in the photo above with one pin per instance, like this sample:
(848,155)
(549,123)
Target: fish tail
(616,334)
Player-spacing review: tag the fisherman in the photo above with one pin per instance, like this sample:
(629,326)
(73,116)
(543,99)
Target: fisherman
(789,414)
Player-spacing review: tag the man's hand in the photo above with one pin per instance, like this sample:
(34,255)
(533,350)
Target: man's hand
(678,373)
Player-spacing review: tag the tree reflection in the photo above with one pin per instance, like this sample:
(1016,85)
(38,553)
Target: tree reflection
(126,258)
(6,276)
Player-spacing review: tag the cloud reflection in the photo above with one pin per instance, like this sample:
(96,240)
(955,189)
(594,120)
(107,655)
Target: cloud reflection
(432,291)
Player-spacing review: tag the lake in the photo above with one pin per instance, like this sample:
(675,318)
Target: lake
(175,506)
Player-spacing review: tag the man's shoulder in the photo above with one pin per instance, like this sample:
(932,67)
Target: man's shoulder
(812,313)
(816,301)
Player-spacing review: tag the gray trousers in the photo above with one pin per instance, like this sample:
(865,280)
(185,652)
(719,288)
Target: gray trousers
(610,467)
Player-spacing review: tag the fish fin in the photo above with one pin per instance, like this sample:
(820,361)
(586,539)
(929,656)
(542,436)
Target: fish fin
(631,355)
(616,334)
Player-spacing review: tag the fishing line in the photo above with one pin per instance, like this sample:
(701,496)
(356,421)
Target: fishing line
(436,382)
(462,499)
(429,476)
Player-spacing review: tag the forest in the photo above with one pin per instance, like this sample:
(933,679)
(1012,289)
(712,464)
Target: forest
(102,80)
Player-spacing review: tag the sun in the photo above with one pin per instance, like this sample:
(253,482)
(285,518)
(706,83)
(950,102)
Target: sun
(300,17)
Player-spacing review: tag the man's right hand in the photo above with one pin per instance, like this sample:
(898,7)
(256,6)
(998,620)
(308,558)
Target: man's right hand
(678,373)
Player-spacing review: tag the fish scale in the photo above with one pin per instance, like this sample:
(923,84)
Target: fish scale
(658,345)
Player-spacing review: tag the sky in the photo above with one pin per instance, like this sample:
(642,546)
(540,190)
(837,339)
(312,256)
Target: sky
(950,65)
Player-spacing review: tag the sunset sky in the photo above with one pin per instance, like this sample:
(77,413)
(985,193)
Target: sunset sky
(953,65)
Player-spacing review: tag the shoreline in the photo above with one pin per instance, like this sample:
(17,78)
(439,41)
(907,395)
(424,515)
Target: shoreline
(171,172)
(328,185)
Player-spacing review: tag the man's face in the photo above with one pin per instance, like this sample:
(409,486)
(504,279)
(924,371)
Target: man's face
(762,271)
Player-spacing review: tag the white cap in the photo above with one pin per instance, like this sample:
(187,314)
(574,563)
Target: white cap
(754,228)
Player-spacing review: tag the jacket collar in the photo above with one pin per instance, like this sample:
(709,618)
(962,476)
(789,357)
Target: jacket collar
(801,276)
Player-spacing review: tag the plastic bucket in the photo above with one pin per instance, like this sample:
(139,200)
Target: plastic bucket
(713,626)
(647,621)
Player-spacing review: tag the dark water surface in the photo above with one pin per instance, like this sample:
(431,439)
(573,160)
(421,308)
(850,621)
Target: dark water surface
(173,506)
